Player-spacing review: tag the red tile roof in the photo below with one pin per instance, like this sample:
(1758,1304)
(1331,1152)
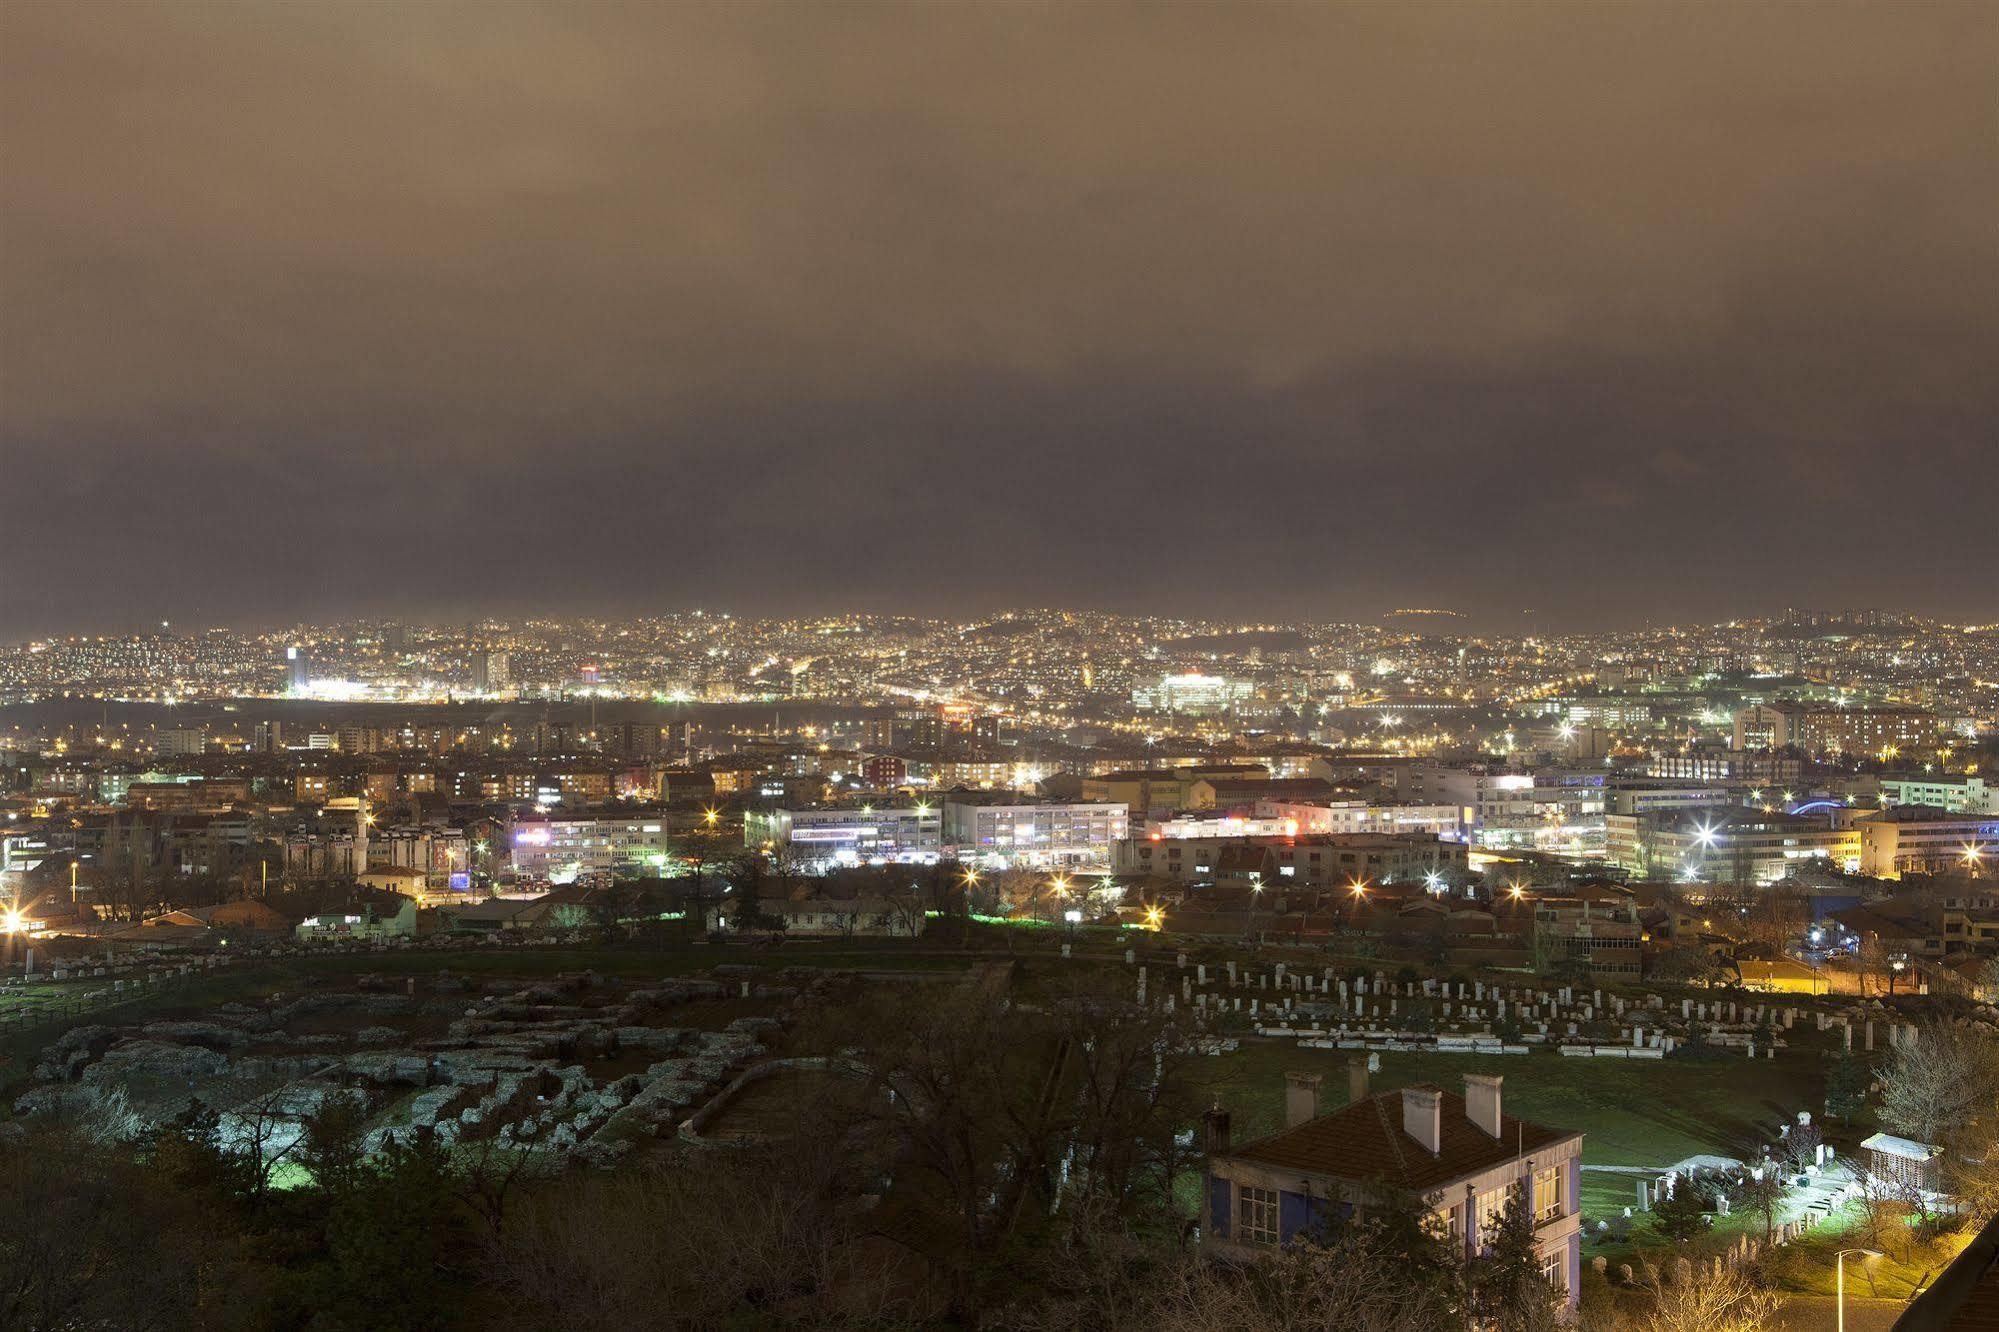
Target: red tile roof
(1366,1141)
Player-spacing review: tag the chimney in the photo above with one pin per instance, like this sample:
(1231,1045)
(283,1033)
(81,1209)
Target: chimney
(1423,1117)
(1357,1089)
(1482,1101)
(1218,1130)
(1301,1098)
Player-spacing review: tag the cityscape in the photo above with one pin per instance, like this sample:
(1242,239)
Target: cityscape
(893,667)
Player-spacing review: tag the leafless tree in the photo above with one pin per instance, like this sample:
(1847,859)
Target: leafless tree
(1941,1084)
(1108,1279)
(755,1236)
(1714,1298)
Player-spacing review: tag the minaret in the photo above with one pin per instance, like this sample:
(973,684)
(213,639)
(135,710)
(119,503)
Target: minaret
(361,821)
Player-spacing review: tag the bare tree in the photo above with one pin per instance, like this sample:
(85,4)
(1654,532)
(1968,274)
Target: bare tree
(1941,1084)
(1106,1278)
(1713,1298)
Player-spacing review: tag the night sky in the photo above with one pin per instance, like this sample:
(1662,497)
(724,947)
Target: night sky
(1614,312)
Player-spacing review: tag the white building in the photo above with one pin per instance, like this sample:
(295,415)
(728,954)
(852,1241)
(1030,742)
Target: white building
(1038,834)
(850,834)
(561,849)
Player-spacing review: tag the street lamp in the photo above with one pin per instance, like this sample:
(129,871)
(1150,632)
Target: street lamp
(1839,1264)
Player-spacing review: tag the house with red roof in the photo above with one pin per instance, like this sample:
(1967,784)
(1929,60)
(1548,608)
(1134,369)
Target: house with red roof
(1461,1155)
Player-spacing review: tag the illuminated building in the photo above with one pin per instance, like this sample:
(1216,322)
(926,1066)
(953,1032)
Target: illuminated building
(1192,695)
(1038,834)
(560,849)
(849,834)
(181,741)
(1734,846)
(490,674)
(1913,839)
(1959,795)
(1818,729)
(298,669)
(1307,861)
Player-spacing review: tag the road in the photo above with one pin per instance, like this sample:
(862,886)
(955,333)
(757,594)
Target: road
(1815,1313)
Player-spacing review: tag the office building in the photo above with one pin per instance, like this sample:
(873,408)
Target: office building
(1037,834)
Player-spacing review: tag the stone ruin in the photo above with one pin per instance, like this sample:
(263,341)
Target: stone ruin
(575,1066)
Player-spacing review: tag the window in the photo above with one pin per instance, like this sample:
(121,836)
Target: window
(1555,1270)
(1548,1194)
(1492,1205)
(1257,1209)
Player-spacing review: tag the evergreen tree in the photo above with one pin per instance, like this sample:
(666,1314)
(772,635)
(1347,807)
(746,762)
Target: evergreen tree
(1681,1214)
(1846,1084)
(1507,1289)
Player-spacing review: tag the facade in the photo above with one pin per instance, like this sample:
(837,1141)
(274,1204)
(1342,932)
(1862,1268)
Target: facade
(490,672)
(1959,795)
(1822,729)
(1912,839)
(1558,813)
(1192,695)
(850,835)
(1041,834)
(367,920)
(181,741)
(1460,1154)
(1754,767)
(1728,846)
(561,849)
(1300,861)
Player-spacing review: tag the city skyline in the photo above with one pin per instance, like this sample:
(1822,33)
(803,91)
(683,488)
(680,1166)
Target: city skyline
(322,310)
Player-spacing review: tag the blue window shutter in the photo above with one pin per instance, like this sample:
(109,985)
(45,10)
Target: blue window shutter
(1292,1216)
(1219,1191)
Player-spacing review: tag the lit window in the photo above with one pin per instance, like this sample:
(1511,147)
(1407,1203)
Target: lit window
(1547,1194)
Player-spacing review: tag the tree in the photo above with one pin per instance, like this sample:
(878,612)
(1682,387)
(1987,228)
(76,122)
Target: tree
(1763,1192)
(1129,1067)
(762,1235)
(1714,1298)
(1506,1285)
(967,1087)
(1681,1214)
(1846,1086)
(91,1237)
(1801,1146)
(1687,964)
(1111,1280)
(332,1148)
(1939,1085)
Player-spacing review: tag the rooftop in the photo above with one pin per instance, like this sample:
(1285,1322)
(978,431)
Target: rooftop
(1366,1140)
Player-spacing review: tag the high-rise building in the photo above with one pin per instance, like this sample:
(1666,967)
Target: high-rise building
(300,668)
(489,672)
